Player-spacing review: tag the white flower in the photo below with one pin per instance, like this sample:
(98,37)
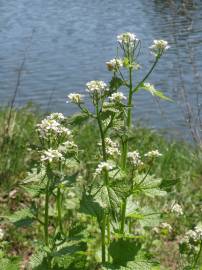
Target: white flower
(75,98)
(46,126)
(166,226)
(50,155)
(50,126)
(198,230)
(103,166)
(68,146)
(159,46)
(64,130)
(109,142)
(155,230)
(127,38)
(96,87)
(117,97)
(177,209)
(134,157)
(56,116)
(153,154)
(2,233)
(112,147)
(191,234)
(114,64)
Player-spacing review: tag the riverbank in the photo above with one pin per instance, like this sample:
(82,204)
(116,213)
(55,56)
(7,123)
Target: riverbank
(179,168)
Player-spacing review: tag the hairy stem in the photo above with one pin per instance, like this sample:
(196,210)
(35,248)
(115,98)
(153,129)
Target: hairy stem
(104,154)
(197,257)
(125,149)
(59,209)
(147,75)
(46,213)
(108,236)
(103,238)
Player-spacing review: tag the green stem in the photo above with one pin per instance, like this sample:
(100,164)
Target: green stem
(128,120)
(104,154)
(46,217)
(108,236)
(59,209)
(147,75)
(123,216)
(103,238)
(197,257)
(125,149)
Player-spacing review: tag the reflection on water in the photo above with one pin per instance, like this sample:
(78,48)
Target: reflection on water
(72,40)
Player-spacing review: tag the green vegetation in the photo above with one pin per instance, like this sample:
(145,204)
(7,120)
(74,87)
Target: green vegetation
(99,193)
(180,163)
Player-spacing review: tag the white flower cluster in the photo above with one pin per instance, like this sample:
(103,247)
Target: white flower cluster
(159,46)
(114,64)
(68,146)
(192,237)
(75,98)
(56,116)
(50,155)
(112,148)
(50,126)
(127,39)
(176,209)
(135,158)
(117,97)
(103,166)
(153,154)
(164,226)
(195,234)
(96,87)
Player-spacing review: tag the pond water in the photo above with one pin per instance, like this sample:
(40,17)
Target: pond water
(66,44)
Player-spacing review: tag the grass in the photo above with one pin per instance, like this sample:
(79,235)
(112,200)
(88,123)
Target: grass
(181,163)
(14,143)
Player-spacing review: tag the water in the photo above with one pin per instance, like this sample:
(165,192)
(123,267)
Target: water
(68,42)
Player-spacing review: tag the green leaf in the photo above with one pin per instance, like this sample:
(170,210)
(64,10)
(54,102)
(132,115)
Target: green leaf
(107,198)
(34,190)
(155,192)
(147,217)
(33,183)
(79,119)
(165,184)
(139,265)
(70,180)
(90,207)
(150,88)
(131,207)
(34,176)
(67,249)
(150,220)
(110,266)
(124,250)
(148,181)
(115,83)
(37,261)
(150,185)
(6,264)
(22,218)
